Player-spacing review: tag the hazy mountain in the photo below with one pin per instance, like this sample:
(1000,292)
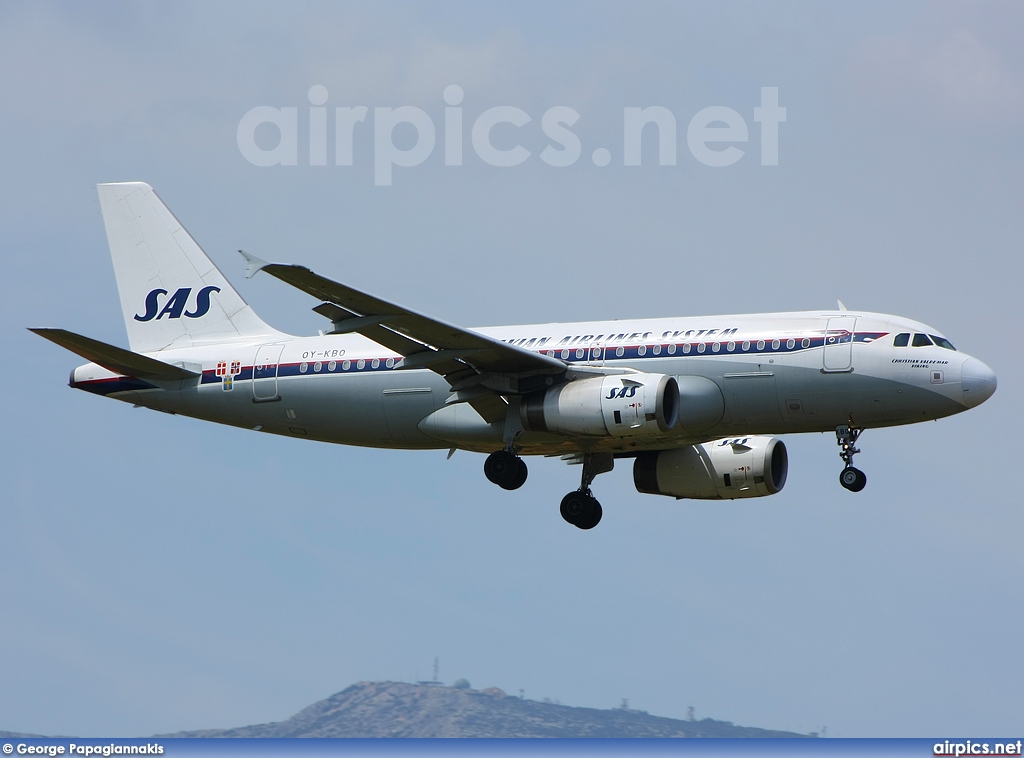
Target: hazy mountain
(20,736)
(393,709)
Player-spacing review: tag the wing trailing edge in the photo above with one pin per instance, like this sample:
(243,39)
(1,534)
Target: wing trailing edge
(463,357)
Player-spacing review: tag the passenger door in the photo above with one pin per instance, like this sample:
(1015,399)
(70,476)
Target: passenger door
(838,352)
(264,373)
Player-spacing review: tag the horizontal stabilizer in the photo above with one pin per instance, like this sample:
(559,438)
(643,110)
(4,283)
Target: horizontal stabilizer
(115,358)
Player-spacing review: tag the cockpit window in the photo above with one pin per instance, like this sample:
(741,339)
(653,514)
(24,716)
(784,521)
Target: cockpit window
(921,340)
(902,340)
(942,342)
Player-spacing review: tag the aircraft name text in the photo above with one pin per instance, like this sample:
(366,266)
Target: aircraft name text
(623,337)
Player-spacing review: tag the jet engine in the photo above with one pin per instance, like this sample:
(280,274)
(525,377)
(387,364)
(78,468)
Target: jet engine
(721,470)
(617,406)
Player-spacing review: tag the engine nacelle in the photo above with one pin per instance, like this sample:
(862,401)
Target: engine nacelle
(701,404)
(720,470)
(617,406)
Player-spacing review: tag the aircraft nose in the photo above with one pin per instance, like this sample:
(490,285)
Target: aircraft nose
(978,382)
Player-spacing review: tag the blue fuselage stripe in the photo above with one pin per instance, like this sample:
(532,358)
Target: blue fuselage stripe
(632,353)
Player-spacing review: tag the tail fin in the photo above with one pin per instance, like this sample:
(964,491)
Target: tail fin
(171,293)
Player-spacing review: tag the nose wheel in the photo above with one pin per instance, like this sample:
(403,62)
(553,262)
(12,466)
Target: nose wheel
(850,477)
(853,479)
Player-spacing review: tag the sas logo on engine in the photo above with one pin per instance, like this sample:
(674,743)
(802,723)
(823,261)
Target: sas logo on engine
(175,305)
(623,392)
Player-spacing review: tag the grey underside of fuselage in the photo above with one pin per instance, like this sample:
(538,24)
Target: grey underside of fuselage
(385,409)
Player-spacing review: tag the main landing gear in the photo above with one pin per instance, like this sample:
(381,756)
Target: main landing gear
(506,469)
(851,478)
(580,508)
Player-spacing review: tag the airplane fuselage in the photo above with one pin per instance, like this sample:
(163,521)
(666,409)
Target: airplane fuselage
(768,373)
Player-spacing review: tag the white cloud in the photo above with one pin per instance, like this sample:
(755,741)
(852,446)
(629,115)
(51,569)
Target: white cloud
(956,68)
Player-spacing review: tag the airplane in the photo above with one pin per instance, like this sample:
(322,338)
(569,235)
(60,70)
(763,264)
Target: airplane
(696,402)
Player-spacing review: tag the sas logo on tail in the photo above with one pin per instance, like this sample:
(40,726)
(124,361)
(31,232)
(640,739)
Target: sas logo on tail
(175,305)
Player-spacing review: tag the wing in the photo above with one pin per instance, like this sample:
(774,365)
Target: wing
(478,368)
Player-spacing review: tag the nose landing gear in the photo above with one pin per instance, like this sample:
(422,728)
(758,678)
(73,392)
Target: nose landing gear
(850,477)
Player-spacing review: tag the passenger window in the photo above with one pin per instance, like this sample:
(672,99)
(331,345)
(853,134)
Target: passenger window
(902,340)
(942,342)
(921,340)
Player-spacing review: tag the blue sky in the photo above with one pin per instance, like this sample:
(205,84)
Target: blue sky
(160,573)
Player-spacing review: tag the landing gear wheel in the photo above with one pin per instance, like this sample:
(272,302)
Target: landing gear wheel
(581,510)
(594,518)
(853,479)
(579,507)
(505,469)
(572,507)
(521,473)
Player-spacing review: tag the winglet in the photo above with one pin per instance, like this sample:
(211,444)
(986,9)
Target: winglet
(841,306)
(254,264)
